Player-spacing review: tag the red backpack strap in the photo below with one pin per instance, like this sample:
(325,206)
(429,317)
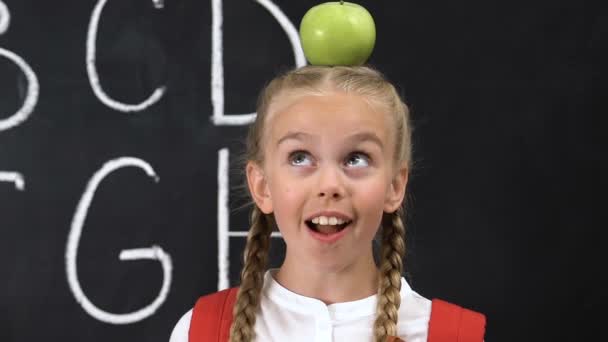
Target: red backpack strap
(212,317)
(452,323)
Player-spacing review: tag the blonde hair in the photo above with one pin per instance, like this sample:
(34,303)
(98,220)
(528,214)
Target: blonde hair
(375,88)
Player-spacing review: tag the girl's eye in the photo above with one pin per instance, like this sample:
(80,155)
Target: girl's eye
(300,158)
(358,159)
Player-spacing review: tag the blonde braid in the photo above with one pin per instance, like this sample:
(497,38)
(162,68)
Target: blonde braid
(252,278)
(389,295)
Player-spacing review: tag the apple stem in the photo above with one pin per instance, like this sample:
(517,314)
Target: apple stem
(341,2)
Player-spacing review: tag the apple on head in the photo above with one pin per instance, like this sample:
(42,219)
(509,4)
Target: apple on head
(337,33)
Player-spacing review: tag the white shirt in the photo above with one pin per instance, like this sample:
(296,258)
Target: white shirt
(287,316)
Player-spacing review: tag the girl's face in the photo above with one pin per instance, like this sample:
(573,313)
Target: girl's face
(328,159)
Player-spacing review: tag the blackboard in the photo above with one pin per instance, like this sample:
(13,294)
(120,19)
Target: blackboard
(121,123)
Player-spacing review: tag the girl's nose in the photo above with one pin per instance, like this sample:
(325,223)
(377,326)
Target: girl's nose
(331,184)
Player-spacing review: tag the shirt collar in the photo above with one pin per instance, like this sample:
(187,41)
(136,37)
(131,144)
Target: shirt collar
(307,305)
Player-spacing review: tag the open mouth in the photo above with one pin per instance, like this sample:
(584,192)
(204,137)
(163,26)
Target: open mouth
(327,229)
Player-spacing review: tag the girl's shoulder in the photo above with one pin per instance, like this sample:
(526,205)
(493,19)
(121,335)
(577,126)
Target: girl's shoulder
(414,307)
(438,319)
(180,331)
(211,315)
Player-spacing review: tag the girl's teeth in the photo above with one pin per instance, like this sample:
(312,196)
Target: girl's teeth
(323,220)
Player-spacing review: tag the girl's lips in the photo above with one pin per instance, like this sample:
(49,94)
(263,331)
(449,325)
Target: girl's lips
(331,237)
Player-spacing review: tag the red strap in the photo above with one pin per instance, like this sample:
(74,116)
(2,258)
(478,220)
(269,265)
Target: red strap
(212,317)
(452,323)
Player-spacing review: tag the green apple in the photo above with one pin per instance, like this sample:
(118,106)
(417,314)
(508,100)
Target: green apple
(337,33)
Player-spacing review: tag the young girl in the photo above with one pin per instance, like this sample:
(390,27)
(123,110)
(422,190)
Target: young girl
(328,159)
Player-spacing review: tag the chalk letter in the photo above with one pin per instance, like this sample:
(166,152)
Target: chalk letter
(92,69)
(153,253)
(13,177)
(223,261)
(217,60)
(31,97)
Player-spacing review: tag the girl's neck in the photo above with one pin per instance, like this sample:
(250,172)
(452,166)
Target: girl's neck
(354,282)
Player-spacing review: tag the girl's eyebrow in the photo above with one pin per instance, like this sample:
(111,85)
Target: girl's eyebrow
(355,138)
(366,136)
(294,136)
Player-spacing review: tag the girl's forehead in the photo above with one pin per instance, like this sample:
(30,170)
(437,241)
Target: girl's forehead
(293,104)
(327,115)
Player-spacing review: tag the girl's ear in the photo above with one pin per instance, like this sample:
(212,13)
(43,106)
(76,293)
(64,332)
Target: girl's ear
(258,187)
(396,192)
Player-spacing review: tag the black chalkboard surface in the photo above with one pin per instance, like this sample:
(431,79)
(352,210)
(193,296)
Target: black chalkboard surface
(121,123)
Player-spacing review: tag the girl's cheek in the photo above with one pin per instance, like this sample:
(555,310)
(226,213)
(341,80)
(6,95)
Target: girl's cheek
(292,191)
(371,190)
